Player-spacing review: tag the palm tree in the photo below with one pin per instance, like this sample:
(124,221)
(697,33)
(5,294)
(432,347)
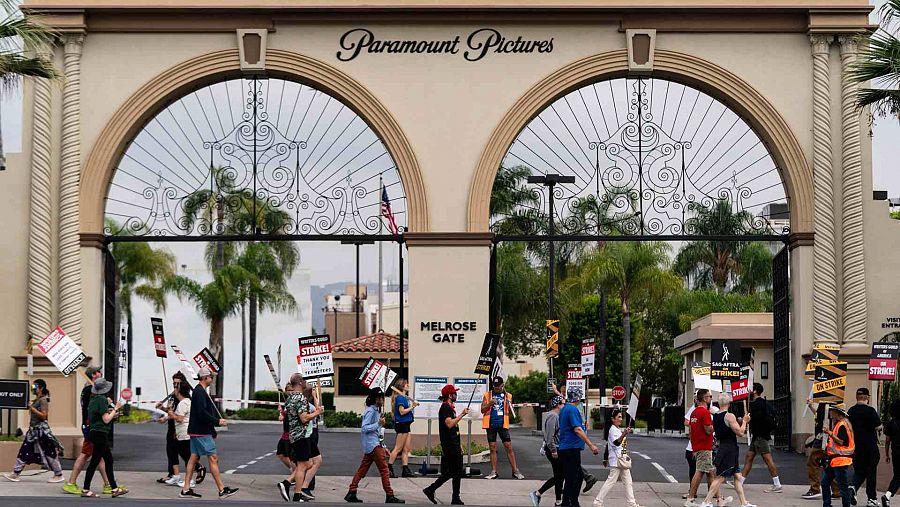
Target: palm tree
(637,272)
(18,33)
(879,63)
(141,271)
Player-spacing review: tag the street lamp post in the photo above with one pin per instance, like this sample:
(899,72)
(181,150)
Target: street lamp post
(550,181)
(356,292)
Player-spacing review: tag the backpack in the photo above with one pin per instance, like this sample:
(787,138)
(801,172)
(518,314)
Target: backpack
(771,418)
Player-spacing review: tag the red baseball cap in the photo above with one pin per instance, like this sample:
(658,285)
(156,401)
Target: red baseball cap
(449,388)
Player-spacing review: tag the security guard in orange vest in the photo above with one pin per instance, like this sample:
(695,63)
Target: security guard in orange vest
(839,450)
(495,409)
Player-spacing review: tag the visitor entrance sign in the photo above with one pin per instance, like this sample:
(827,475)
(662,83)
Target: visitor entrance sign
(62,351)
(469,389)
(316,359)
(427,391)
(883,361)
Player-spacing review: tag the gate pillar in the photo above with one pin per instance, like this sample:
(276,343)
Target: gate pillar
(801,333)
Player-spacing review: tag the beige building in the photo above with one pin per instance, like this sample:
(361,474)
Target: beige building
(448,90)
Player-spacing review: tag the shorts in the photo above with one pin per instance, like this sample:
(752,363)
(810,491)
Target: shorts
(402,427)
(283,448)
(493,432)
(203,445)
(726,460)
(760,446)
(301,450)
(704,461)
(87,447)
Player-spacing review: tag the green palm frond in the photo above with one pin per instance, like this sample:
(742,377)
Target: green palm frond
(890,13)
(17,31)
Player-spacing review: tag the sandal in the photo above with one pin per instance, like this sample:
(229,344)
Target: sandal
(88,494)
(119,492)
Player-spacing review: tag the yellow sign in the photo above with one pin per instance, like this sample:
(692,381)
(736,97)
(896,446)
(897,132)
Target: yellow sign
(552,338)
(822,355)
(830,382)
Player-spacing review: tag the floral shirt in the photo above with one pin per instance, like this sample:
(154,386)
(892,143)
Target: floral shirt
(296,404)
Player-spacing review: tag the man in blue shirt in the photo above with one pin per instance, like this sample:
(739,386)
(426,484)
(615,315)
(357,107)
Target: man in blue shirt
(572,438)
(373,452)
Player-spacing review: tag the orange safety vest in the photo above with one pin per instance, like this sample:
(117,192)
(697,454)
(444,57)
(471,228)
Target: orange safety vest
(486,420)
(841,455)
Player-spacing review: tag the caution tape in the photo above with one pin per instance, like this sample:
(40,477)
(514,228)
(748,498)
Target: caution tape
(517,405)
(251,402)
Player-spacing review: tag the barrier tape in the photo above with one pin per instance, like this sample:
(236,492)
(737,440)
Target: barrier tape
(251,402)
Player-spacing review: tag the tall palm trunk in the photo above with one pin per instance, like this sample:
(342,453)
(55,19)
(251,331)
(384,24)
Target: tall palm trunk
(129,340)
(626,344)
(254,310)
(243,351)
(217,330)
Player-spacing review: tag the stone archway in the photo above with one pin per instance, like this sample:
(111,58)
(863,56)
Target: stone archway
(706,76)
(171,84)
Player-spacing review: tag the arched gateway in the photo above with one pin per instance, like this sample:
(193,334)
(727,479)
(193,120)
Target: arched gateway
(446,118)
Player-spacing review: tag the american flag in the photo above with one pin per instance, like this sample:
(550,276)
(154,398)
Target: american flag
(387,213)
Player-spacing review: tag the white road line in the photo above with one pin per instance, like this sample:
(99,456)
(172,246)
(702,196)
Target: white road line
(260,458)
(251,462)
(663,472)
(267,455)
(229,472)
(241,467)
(643,456)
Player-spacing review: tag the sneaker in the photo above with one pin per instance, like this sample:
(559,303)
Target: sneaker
(308,492)
(724,501)
(429,494)
(226,492)
(15,477)
(297,497)
(56,479)
(748,505)
(393,499)
(352,498)
(71,488)
(172,481)
(852,495)
(872,503)
(885,501)
(516,475)
(201,474)
(597,503)
(406,472)
(305,497)
(456,501)
(189,494)
(535,498)
(284,487)
(589,483)
(706,504)
(181,483)
(492,475)
(811,495)
(391,472)
(691,502)
(774,489)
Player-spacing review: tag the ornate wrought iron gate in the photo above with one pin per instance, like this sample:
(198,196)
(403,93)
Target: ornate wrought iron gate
(781,324)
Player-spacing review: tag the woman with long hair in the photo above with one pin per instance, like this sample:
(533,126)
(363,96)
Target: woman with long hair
(617,461)
(101,415)
(403,418)
(181,416)
(40,446)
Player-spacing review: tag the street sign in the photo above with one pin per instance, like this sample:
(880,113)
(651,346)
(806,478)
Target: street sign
(618,393)
(159,337)
(62,351)
(14,394)
(315,359)
(126,394)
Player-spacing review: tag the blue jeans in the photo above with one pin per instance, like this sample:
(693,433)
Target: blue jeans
(839,474)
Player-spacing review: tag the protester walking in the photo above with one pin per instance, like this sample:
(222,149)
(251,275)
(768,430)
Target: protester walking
(451,447)
(373,452)
(865,421)
(299,416)
(204,417)
(40,446)
(839,450)
(701,429)
(495,409)
(815,454)
(87,448)
(403,419)
(181,417)
(689,449)
(283,447)
(762,423)
(316,409)
(727,459)
(572,439)
(618,461)
(101,415)
(892,452)
(170,405)
(550,427)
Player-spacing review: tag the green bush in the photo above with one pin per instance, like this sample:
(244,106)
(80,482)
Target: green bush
(595,419)
(135,416)
(436,450)
(529,389)
(342,419)
(10,438)
(266,396)
(328,401)
(389,420)
(256,414)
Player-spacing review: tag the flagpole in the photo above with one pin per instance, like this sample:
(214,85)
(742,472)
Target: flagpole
(380,260)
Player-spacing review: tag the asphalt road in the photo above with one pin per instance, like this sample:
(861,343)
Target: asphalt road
(249,449)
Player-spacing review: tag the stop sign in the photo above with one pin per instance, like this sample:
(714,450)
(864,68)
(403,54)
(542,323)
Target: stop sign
(126,394)
(618,393)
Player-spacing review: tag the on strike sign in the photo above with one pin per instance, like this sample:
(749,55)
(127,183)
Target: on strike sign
(315,359)
(62,351)
(377,374)
(159,338)
(588,351)
(883,361)
(574,378)
(205,359)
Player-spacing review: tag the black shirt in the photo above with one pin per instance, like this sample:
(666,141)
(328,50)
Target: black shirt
(865,422)
(759,419)
(85,400)
(449,436)
(892,429)
(723,431)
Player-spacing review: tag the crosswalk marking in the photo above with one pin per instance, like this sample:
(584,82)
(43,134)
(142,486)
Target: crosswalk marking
(229,472)
(663,472)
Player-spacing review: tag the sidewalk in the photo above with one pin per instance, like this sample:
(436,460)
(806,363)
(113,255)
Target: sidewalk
(332,489)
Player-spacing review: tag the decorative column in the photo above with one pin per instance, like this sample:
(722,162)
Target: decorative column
(853,314)
(70,311)
(825,272)
(40,250)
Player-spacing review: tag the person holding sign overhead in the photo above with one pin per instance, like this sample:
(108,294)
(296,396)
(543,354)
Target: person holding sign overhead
(451,447)
(495,408)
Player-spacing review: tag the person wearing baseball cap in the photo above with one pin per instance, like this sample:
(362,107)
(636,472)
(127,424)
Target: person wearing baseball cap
(865,421)
(451,447)
(495,409)
(204,417)
(839,450)
(87,447)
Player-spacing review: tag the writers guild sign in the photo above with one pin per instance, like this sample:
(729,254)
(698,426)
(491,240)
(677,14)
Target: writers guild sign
(726,360)
(476,46)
